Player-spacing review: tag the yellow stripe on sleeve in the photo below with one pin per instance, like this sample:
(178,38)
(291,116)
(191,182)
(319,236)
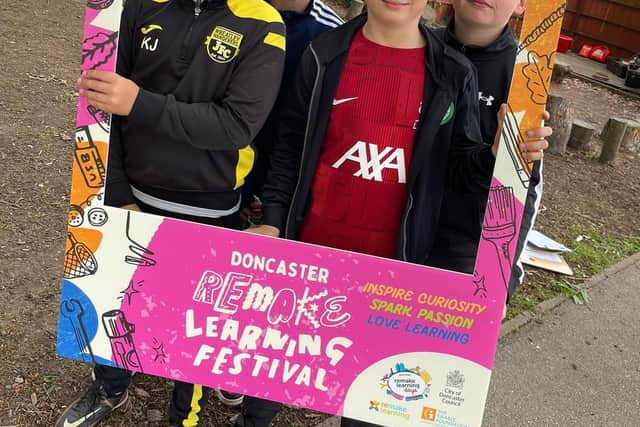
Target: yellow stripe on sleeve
(275,40)
(255,9)
(246,157)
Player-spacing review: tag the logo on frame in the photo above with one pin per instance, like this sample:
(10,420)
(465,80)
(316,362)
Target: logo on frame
(429,414)
(407,384)
(223,45)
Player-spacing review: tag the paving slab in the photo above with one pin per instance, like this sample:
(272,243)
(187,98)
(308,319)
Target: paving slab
(578,365)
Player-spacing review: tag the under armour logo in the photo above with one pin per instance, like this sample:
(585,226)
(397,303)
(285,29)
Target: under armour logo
(487,100)
(373,163)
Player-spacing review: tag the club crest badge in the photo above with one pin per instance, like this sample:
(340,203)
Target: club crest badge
(223,45)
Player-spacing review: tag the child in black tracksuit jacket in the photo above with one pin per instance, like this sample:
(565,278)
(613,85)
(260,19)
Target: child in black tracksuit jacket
(458,237)
(195,81)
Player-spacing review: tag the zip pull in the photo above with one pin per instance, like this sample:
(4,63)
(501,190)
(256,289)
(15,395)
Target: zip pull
(198,7)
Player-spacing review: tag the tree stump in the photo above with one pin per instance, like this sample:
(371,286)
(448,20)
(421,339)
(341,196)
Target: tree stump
(581,134)
(631,138)
(560,71)
(561,120)
(355,9)
(612,138)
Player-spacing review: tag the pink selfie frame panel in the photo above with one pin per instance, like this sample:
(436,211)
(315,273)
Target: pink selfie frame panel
(338,332)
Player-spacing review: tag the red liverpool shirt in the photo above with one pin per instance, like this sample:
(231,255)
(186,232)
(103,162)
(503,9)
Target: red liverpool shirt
(359,189)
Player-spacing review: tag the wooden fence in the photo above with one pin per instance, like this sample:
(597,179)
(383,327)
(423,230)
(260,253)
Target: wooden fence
(614,23)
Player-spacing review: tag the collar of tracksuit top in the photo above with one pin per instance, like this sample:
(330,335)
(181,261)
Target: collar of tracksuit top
(449,81)
(505,44)
(303,27)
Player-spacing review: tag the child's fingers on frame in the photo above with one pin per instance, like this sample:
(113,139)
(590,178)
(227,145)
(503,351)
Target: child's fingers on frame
(532,150)
(95,85)
(97,97)
(532,156)
(540,132)
(106,76)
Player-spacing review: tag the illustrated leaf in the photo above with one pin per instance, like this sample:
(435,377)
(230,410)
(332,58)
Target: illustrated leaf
(98,49)
(538,73)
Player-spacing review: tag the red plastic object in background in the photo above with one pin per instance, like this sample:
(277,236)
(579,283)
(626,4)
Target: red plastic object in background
(600,53)
(564,43)
(585,50)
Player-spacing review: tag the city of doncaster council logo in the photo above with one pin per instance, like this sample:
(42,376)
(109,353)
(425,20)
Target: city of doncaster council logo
(407,384)
(223,45)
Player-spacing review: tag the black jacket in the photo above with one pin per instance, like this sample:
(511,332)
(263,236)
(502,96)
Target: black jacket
(494,64)
(208,79)
(444,149)
(458,236)
(301,29)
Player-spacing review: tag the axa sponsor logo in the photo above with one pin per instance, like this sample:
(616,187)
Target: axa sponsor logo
(223,44)
(374,162)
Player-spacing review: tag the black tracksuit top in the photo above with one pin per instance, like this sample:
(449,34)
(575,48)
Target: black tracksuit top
(461,223)
(209,76)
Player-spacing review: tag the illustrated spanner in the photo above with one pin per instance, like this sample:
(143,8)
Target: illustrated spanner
(73,311)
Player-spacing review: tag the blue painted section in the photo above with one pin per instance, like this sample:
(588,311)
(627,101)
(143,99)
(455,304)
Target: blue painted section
(77,325)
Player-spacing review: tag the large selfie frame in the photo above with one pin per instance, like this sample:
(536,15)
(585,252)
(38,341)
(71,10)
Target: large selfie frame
(343,333)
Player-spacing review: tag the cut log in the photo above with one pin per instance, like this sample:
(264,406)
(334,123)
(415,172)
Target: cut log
(581,134)
(612,138)
(560,71)
(561,119)
(355,9)
(631,138)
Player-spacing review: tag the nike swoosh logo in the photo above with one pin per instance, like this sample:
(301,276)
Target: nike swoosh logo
(81,420)
(147,30)
(342,101)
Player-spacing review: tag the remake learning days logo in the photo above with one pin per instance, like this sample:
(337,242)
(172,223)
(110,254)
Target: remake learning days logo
(406,384)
